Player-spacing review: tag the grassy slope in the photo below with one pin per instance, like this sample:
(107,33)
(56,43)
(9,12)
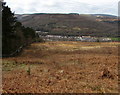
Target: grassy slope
(115,39)
(75,67)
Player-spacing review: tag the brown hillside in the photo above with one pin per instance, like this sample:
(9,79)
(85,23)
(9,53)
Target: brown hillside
(68,24)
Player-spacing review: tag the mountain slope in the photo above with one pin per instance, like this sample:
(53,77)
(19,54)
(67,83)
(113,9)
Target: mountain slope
(69,24)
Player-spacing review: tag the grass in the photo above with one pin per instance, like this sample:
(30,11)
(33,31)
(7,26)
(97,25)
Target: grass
(8,65)
(76,64)
(115,39)
(29,70)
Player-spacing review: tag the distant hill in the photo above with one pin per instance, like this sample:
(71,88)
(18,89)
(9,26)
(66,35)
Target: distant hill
(71,24)
(105,15)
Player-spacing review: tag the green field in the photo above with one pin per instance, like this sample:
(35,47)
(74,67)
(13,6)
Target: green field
(115,39)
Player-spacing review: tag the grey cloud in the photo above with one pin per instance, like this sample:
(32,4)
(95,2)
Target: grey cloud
(65,6)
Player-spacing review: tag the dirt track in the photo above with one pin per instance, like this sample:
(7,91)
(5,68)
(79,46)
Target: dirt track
(59,67)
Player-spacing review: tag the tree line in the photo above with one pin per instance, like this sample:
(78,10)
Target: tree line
(14,34)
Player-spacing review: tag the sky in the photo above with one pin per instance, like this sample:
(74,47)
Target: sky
(64,6)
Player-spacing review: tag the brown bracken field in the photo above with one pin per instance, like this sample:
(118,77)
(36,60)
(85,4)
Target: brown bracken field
(63,67)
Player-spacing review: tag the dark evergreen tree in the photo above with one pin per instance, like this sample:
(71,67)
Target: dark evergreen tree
(8,23)
(14,35)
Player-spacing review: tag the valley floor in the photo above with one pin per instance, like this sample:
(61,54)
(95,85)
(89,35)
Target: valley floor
(60,67)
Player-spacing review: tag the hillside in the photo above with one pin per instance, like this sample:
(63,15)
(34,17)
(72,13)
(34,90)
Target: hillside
(63,67)
(70,24)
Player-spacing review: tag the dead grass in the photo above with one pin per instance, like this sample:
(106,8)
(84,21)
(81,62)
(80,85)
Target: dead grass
(59,67)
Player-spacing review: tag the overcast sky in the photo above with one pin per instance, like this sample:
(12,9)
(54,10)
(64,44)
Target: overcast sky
(64,6)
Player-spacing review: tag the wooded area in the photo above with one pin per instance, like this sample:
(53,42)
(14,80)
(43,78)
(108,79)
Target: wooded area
(14,35)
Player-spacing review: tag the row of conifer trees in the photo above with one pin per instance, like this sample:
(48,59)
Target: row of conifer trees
(14,34)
